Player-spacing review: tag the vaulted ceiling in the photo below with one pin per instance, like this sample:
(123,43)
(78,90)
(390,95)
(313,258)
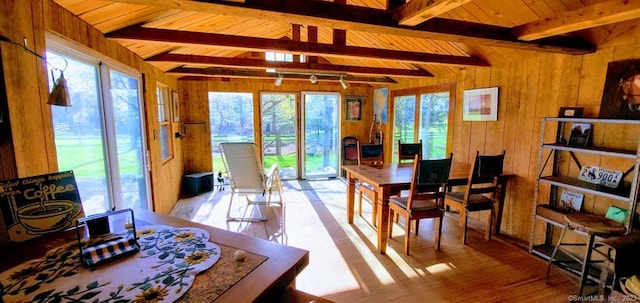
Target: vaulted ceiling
(368,41)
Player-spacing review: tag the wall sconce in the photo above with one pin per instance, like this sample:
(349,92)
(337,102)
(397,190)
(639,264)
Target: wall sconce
(278,81)
(60,92)
(313,79)
(343,82)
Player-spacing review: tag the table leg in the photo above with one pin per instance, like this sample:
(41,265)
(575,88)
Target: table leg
(383,218)
(351,194)
(501,192)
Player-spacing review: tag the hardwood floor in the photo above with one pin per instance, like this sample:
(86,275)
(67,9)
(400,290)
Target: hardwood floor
(345,267)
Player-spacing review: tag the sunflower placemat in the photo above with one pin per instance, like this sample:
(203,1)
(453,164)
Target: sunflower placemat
(163,270)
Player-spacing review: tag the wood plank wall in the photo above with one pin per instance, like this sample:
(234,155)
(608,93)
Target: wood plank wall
(531,89)
(26,78)
(194,92)
(531,86)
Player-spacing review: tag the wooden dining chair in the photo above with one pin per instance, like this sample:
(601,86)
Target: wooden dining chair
(425,198)
(406,151)
(369,154)
(480,192)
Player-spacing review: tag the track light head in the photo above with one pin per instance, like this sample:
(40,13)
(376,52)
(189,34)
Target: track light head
(343,82)
(278,81)
(313,79)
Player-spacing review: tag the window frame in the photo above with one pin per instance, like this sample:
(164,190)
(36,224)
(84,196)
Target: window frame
(164,120)
(417,92)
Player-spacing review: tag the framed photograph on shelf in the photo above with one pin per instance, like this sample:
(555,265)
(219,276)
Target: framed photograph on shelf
(571,112)
(353,108)
(580,134)
(570,201)
(175,106)
(480,104)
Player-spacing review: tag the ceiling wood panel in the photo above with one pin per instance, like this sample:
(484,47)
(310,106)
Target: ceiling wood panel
(485,29)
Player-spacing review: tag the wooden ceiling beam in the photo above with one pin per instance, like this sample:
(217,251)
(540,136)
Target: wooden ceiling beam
(415,12)
(356,18)
(598,14)
(306,67)
(243,73)
(265,44)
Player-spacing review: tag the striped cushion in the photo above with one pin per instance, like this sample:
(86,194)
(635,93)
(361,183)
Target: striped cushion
(95,255)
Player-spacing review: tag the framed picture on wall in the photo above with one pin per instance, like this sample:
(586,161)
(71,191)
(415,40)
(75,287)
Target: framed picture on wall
(621,94)
(175,106)
(380,101)
(480,104)
(353,108)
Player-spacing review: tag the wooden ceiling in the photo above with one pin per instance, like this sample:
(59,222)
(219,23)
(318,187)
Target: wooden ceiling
(368,41)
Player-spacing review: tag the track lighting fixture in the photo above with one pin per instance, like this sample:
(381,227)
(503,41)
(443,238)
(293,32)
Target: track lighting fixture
(313,79)
(278,81)
(343,82)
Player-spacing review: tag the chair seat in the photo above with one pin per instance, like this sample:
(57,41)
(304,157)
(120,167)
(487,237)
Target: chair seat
(418,205)
(594,224)
(476,202)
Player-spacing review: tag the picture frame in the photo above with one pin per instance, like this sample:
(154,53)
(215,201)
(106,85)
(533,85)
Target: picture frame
(570,201)
(571,112)
(621,93)
(580,134)
(480,104)
(353,108)
(175,106)
(29,212)
(380,104)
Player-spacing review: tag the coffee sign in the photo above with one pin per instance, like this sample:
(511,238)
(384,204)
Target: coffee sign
(38,205)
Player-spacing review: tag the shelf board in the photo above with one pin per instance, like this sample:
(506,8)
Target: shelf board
(622,153)
(551,214)
(566,262)
(589,188)
(592,120)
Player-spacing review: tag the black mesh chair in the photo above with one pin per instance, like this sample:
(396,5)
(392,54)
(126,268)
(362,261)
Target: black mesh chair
(406,151)
(480,193)
(369,154)
(425,198)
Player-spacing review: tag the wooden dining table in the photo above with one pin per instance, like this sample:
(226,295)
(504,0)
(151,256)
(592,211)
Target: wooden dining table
(390,179)
(273,280)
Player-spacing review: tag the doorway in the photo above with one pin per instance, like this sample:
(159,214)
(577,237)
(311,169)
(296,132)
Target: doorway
(100,137)
(320,135)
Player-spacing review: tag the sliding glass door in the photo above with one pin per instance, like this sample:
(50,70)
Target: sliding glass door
(279,132)
(129,150)
(231,120)
(100,135)
(320,135)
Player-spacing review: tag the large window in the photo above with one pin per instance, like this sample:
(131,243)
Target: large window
(231,120)
(422,114)
(100,135)
(162,97)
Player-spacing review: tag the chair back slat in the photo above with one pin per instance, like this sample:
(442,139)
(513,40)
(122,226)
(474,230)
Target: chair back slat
(483,178)
(349,149)
(407,151)
(430,179)
(370,154)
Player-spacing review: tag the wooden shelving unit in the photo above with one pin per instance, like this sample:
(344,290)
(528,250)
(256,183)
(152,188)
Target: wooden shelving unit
(546,208)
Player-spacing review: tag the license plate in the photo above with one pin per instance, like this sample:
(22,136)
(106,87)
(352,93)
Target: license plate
(597,175)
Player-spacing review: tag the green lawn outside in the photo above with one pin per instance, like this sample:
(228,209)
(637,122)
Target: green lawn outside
(86,158)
